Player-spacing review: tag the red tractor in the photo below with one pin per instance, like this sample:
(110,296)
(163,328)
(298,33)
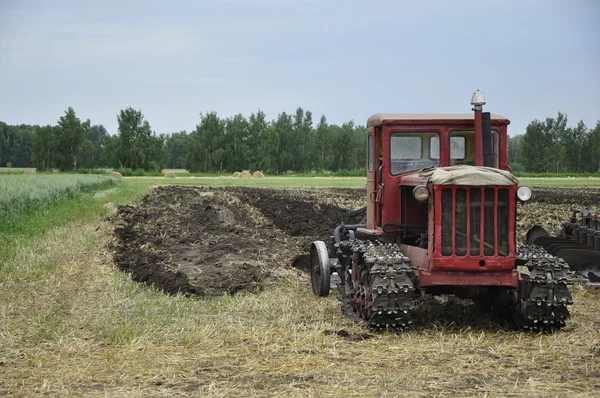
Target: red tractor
(441,219)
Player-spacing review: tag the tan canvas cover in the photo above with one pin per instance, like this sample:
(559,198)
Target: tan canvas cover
(468,175)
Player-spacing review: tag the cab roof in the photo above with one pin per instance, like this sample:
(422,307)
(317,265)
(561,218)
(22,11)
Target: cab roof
(379,119)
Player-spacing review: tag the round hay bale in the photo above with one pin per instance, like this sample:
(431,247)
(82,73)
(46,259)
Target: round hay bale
(116,175)
(29,172)
(169,174)
(245,174)
(258,174)
(236,174)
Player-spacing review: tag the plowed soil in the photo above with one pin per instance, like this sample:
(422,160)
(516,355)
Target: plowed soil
(214,241)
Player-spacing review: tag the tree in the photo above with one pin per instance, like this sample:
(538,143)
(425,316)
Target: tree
(535,141)
(515,149)
(97,138)
(257,135)
(593,152)
(207,142)
(44,147)
(285,150)
(237,148)
(177,148)
(71,135)
(136,146)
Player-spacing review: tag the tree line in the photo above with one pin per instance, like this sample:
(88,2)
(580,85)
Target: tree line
(551,146)
(291,142)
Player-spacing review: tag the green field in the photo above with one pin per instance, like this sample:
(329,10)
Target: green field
(26,193)
(72,324)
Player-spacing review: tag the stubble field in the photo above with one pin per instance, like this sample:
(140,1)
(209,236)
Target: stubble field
(244,322)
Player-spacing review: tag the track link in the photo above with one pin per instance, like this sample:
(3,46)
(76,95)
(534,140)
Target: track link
(545,294)
(379,288)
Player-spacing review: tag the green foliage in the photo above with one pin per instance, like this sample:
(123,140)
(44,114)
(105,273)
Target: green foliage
(9,165)
(176,150)
(136,146)
(553,147)
(70,137)
(289,143)
(44,147)
(16,144)
(25,193)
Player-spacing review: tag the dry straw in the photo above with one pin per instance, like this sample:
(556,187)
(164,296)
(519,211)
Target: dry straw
(116,175)
(245,174)
(258,174)
(169,174)
(29,172)
(236,174)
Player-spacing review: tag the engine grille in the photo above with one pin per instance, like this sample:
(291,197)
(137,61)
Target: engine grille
(480,219)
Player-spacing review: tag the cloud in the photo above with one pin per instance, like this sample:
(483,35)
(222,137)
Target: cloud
(56,43)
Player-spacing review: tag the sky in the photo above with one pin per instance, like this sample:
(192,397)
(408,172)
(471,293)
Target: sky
(347,60)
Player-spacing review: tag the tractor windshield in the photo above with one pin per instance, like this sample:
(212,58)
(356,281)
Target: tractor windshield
(462,147)
(411,151)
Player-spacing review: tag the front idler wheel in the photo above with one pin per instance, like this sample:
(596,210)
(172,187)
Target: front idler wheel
(320,273)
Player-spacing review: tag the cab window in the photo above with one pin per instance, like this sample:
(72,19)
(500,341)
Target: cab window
(457,148)
(411,151)
(462,147)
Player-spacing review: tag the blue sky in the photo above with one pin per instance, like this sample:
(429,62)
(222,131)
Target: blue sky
(344,59)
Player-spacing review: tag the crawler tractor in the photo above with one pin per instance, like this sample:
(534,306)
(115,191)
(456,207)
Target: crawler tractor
(440,219)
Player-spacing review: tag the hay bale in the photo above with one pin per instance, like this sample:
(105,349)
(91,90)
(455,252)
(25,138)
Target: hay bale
(236,174)
(117,175)
(245,174)
(258,174)
(29,172)
(169,174)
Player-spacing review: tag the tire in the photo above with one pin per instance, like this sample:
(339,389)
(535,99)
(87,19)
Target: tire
(320,273)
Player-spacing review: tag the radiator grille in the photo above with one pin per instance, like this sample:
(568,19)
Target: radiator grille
(475,221)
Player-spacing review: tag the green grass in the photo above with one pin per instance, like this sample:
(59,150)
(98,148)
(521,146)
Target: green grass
(19,170)
(561,182)
(26,193)
(85,205)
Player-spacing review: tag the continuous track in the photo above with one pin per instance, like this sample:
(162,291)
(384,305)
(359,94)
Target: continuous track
(544,295)
(379,287)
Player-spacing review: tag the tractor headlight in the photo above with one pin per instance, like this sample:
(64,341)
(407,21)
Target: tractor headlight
(524,193)
(421,193)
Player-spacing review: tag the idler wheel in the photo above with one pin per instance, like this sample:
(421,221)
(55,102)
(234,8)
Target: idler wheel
(320,273)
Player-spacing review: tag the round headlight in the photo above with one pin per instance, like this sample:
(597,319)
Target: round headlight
(421,193)
(524,193)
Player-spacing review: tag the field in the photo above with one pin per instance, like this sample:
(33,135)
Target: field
(73,323)
(23,193)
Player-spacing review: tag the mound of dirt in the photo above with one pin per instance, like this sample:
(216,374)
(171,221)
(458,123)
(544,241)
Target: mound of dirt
(205,241)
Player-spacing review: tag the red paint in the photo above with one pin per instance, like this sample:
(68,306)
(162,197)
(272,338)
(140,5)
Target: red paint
(398,208)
